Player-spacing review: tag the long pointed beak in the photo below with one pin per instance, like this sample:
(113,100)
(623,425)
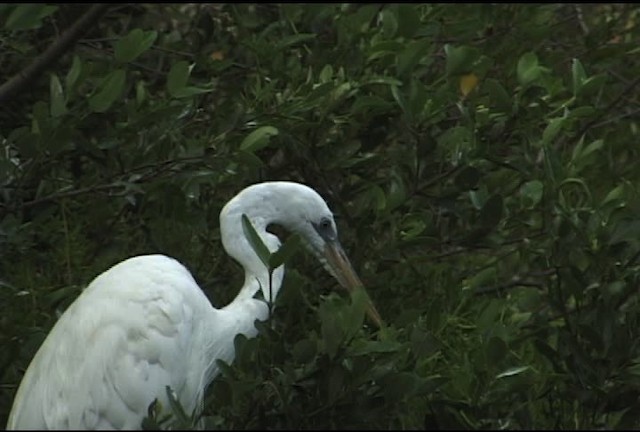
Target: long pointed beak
(347,277)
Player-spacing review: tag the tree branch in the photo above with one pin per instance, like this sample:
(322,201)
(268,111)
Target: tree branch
(25,77)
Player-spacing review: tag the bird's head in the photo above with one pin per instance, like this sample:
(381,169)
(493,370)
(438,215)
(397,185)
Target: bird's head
(312,219)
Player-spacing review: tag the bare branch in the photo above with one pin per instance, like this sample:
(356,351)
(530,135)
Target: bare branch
(22,79)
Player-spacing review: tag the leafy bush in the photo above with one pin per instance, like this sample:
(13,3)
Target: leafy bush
(481,159)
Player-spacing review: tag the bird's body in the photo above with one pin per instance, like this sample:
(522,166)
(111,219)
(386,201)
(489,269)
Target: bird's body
(145,324)
(138,324)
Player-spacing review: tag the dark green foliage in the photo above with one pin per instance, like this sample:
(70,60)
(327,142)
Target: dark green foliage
(482,161)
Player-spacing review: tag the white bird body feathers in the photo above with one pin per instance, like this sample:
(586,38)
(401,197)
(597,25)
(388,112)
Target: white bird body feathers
(137,328)
(145,324)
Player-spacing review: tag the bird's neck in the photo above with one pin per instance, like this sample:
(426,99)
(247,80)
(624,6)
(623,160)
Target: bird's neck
(257,276)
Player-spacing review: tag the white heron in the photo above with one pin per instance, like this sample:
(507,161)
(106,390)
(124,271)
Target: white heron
(145,324)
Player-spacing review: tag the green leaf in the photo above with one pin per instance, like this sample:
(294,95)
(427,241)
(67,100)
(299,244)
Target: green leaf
(285,252)
(255,241)
(491,212)
(408,20)
(467,178)
(332,334)
(326,74)
(186,92)
(370,105)
(580,153)
(424,344)
(363,16)
(552,129)
(382,80)
(626,232)
(532,192)
(40,123)
(482,278)
(250,160)
(312,99)
(58,102)
(361,347)
(412,228)
(592,85)
(554,169)
(178,77)
(400,99)
(355,314)
(258,139)
(376,195)
(496,350)
(498,96)
(578,74)
(289,41)
(460,59)
(141,93)
(585,111)
(397,193)
(411,55)
(389,23)
(135,43)
(614,194)
(512,372)
(109,90)
(304,351)
(176,407)
(73,74)
(383,48)
(335,382)
(149,422)
(398,386)
(528,69)
(28,16)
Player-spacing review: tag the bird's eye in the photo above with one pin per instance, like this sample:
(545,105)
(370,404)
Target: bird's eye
(325,228)
(325,224)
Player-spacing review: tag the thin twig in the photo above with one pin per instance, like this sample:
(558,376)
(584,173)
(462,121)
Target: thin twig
(517,281)
(114,183)
(583,25)
(618,118)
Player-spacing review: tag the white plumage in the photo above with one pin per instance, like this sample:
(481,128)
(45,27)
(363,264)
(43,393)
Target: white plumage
(145,324)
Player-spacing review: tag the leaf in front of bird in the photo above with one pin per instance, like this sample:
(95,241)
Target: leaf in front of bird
(226,370)
(331,318)
(176,407)
(255,241)
(468,82)
(150,422)
(285,252)
(355,315)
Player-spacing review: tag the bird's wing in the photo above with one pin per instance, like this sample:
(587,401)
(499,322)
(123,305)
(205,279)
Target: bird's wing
(136,328)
